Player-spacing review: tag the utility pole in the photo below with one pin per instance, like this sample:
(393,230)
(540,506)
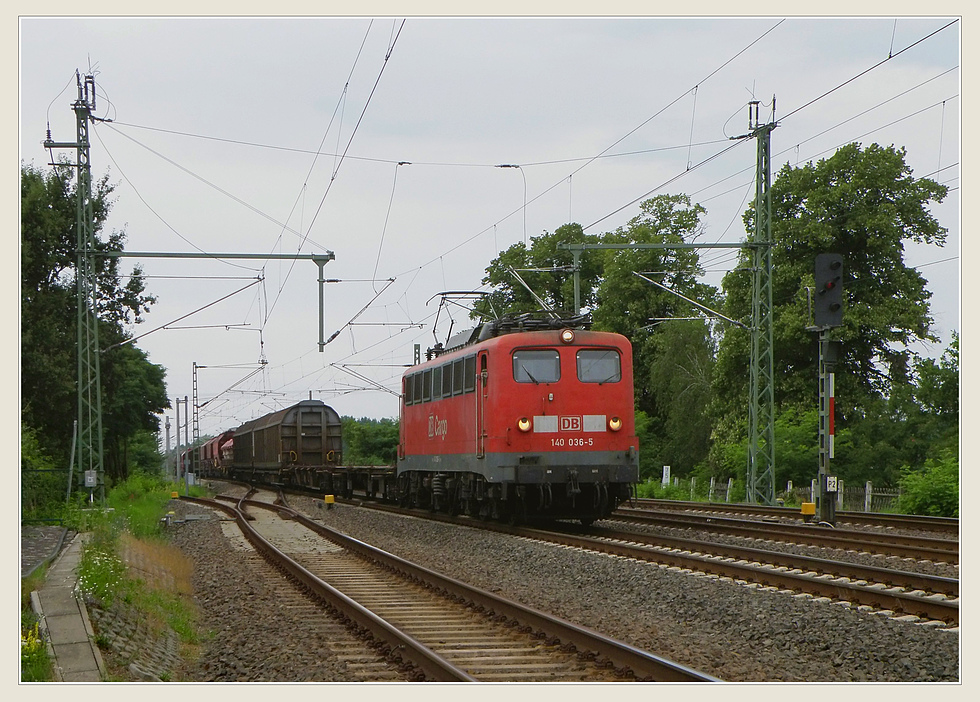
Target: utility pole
(89,446)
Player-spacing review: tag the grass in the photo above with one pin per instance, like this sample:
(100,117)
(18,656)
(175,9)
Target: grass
(127,558)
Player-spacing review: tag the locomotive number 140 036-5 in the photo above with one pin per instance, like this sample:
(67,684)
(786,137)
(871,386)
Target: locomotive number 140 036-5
(573,442)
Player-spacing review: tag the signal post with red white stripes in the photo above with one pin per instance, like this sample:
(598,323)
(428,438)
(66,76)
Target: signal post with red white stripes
(827,313)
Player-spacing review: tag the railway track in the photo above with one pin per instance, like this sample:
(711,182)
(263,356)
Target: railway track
(901,594)
(443,629)
(919,547)
(939,525)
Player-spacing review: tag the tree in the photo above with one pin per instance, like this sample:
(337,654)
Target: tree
(49,317)
(673,358)
(547,271)
(863,204)
(134,394)
(370,441)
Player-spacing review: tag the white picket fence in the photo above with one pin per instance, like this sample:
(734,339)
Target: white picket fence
(851,498)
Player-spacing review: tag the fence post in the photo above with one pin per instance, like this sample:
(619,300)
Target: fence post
(728,492)
(840,494)
(867,496)
(693,480)
(711,489)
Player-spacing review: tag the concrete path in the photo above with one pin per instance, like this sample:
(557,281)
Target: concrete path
(69,632)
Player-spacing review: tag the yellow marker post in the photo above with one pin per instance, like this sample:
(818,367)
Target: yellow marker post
(329,500)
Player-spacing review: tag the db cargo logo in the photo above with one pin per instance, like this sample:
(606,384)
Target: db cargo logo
(438,427)
(570,424)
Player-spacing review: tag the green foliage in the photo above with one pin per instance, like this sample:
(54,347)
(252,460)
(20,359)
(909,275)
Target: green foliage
(42,492)
(797,449)
(549,278)
(370,442)
(863,204)
(141,501)
(653,489)
(933,490)
(101,573)
(133,389)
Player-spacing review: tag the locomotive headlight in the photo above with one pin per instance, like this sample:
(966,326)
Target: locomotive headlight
(567,336)
(615,423)
(524,424)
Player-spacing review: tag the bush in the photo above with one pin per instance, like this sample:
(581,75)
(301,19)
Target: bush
(933,490)
(653,489)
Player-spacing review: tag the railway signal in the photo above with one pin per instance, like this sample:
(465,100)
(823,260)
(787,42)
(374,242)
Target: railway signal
(828,310)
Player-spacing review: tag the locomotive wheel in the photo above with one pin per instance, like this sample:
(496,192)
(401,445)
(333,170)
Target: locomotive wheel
(518,512)
(454,499)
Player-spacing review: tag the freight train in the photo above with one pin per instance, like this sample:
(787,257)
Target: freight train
(518,419)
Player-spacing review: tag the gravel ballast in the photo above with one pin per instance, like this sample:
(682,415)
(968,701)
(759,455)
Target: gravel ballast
(728,630)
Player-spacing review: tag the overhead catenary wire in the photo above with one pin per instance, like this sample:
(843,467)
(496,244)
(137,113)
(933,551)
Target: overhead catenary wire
(569,177)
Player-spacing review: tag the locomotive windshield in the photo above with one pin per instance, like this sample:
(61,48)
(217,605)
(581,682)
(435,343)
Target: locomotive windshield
(598,366)
(536,366)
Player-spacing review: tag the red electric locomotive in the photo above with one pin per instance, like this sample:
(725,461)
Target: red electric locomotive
(520,419)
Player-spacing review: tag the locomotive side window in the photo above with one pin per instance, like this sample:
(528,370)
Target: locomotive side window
(417,392)
(426,385)
(469,374)
(536,366)
(437,383)
(447,380)
(598,366)
(458,376)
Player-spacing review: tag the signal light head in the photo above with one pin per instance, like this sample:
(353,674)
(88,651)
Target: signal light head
(524,424)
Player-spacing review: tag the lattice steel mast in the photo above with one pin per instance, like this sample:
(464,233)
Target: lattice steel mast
(89,444)
(761,474)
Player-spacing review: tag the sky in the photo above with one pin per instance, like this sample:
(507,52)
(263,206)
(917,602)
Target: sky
(381,140)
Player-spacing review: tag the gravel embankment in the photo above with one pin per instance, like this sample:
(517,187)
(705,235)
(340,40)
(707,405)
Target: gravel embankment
(719,627)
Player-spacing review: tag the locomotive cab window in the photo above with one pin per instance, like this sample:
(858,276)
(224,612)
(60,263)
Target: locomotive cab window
(407,391)
(598,366)
(536,366)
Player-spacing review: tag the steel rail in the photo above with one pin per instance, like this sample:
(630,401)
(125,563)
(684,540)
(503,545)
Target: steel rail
(393,641)
(643,665)
(881,598)
(906,603)
(944,525)
(924,548)
(887,576)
